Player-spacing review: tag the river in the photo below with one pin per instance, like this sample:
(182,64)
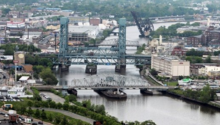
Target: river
(163,110)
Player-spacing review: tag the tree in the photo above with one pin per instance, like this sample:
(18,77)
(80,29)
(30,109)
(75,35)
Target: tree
(57,119)
(23,110)
(64,121)
(208,59)
(50,117)
(67,100)
(206,94)
(5,11)
(153,72)
(30,103)
(52,104)
(43,115)
(30,111)
(72,98)
(48,77)
(65,106)
(37,113)
(59,105)
(149,122)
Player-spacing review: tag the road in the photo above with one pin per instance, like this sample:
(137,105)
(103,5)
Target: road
(58,99)
(70,114)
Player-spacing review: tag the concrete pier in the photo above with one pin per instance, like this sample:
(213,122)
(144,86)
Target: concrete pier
(91,69)
(63,68)
(120,69)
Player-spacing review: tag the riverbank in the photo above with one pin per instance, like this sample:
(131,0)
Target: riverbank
(179,96)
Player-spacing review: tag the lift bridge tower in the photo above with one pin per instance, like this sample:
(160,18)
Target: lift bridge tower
(114,55)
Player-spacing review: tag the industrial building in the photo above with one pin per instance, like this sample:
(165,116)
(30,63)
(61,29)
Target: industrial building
(78,19)
(83,33)
(170,66)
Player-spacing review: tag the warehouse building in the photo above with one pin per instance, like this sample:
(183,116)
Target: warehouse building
(170,66)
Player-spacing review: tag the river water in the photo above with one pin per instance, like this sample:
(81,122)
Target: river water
(163,110)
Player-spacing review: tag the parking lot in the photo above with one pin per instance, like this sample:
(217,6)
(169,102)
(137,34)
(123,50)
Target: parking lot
(48,95)
(10,99)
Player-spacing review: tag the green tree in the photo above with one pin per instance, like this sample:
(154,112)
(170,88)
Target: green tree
(149,122)
(206,94)
(59,105)
(23,110)
(30,111)
(64,121)
(57,119)
(30,103)
(43,115)
(52,104)
(48,77)
(72,98)
(50,117)
(37,113)
(208,59)
(5,11)
(153,72)
(67,100)
(65,106)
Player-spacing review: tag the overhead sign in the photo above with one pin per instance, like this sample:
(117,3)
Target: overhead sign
(6,57)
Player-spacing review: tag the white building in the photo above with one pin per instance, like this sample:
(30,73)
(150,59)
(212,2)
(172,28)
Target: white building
(77,33)
(15,91)
(170,66)
(207,69)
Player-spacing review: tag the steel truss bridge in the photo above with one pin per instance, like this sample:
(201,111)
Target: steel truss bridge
(113,81)
(106,82)
(114,55)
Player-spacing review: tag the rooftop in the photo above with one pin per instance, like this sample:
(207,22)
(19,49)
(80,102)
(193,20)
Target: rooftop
(81,29)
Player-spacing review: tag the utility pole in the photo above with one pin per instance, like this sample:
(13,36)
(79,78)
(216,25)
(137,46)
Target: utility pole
(55,34)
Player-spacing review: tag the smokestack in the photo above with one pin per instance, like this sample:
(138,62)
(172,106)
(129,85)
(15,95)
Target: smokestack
(208,22)
(160,42)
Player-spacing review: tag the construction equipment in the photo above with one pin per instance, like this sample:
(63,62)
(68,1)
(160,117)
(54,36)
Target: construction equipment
(144,26)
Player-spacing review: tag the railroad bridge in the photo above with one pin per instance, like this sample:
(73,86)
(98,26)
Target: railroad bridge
(93,56)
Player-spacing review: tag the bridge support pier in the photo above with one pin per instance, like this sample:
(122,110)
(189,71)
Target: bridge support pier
(120,69)
(91,69)
(63,68)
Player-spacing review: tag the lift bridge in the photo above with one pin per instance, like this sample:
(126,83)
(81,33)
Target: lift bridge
(114,55)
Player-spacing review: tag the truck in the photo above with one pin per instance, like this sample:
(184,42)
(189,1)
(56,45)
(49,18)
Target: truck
(13,118)
(10,112)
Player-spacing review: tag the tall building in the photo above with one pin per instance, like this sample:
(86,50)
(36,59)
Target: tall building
(170,66)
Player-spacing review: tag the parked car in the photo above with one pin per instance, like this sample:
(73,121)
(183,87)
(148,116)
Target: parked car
(40,122)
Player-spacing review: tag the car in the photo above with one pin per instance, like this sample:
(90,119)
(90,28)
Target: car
(40,122)
(6,115)
(21,118)
(1,113)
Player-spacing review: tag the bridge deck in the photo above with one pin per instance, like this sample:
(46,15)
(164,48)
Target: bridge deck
(104,87)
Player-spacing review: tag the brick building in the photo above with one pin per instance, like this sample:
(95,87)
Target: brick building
(178,51)
(94,21)
(210,37)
